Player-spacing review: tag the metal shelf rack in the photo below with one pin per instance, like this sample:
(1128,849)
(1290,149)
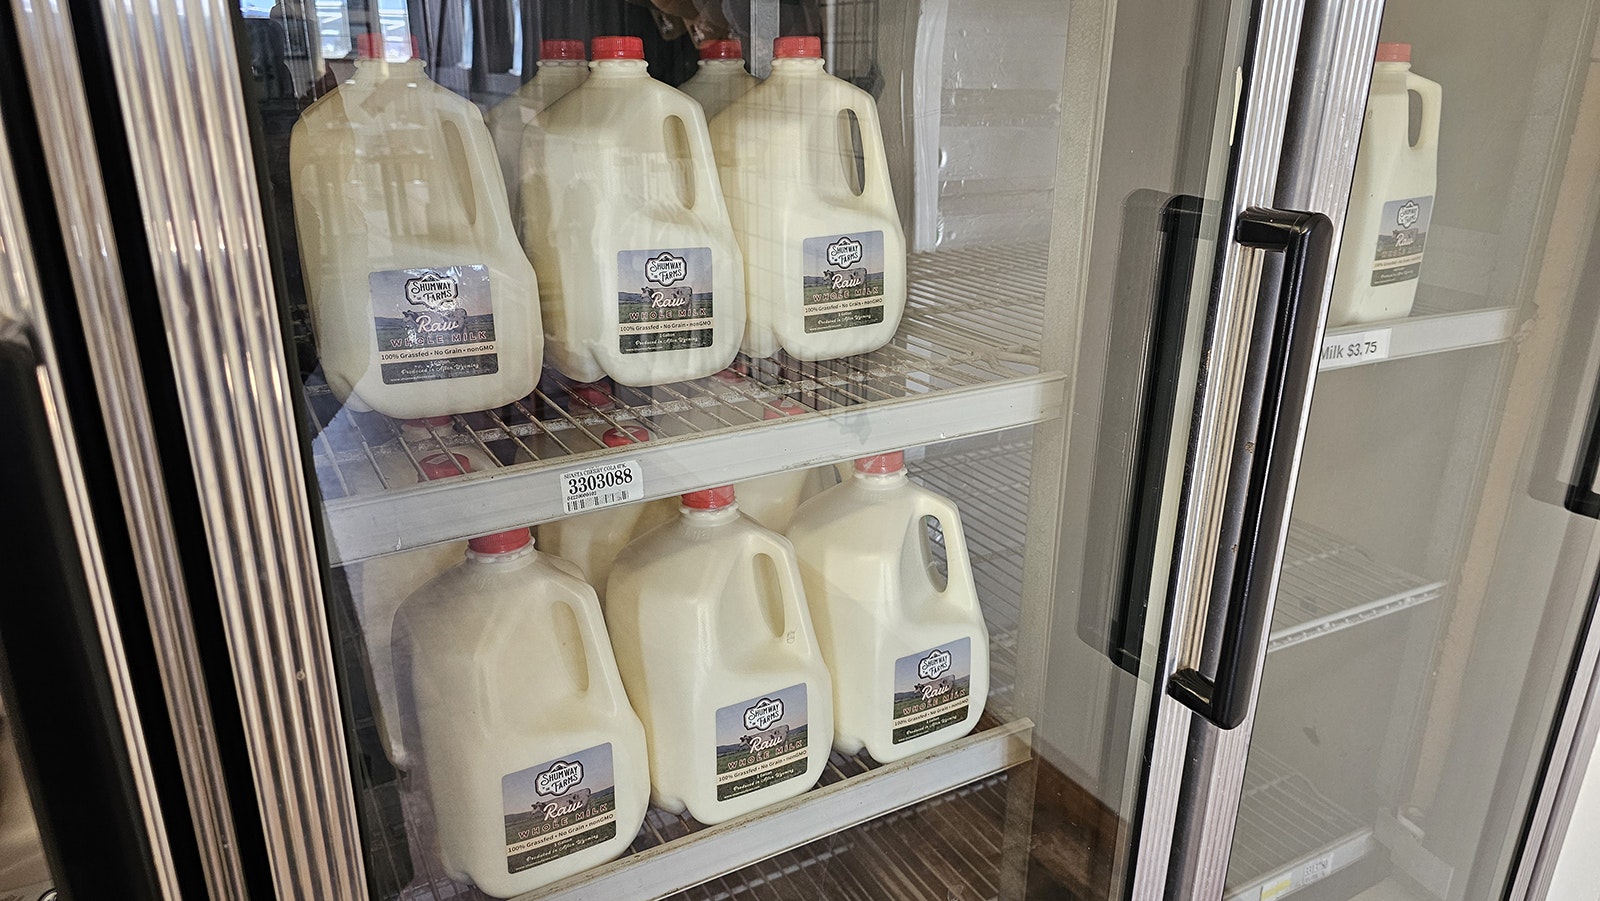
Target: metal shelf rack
(965,362)
(1330,584)
(1281,815)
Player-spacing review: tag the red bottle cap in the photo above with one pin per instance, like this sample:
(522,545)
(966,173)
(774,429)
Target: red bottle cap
(728,48)
(371,45)
(593,393)
(882,464)
(561,50)
(444,466)
(427,422)
(797,46)
(781,408)
(1394,53)
(616,47)
(501,542)
(628,434)
(709,499)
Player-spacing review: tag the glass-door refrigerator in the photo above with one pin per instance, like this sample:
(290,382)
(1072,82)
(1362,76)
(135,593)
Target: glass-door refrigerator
(953,449)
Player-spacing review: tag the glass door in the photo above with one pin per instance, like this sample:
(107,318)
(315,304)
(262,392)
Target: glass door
(1440,563)
(840,358)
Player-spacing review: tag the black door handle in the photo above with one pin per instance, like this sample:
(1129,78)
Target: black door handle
(1581,497)
(1260,476)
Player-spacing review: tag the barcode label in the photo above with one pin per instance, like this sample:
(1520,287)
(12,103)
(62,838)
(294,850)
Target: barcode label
(1353,349)
(1313,870)
(602,485)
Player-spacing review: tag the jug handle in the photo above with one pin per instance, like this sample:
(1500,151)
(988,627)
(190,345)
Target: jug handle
(494,211)
(796,615)
(876,188)
(703,163)
(958,563)
(1432,96)
(603,675)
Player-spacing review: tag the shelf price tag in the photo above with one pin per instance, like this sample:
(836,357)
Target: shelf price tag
(602,485)
(1354,348)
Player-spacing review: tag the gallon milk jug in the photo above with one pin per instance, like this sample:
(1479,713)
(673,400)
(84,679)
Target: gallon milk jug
(561,68)
(909,651)
(592,540)
(771,500)
(427,437)
(825,260)
(421,300)
(529,755)
(715,645)
(385,583)
(1391,199)
(721,78)
(640,275)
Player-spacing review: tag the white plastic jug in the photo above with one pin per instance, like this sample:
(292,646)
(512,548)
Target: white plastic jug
(909,651)
(721,78)
(562,67)
(421,300)
(527,751)
(640,275)
(384,584)
(592,540)
(715,645)
(1391,198)
(772,499)
(825,259)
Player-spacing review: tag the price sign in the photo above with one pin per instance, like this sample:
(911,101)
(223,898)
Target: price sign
(1354,348)
(602,485)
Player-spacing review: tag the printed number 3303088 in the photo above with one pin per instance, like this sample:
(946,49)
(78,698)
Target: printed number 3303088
(587,483)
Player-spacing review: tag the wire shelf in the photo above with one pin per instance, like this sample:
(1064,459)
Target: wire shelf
(1288,834)
(966,355)
(1330,584)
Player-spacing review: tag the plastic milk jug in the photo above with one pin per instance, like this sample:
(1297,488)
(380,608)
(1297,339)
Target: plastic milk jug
(640,275)
(715,644)
(386,582)
(421,300)
(909,651)
(721,78)
(562,67)
(771,500)
(592,540)
(825,259)
(529,755)
(428,437)
(1391,198)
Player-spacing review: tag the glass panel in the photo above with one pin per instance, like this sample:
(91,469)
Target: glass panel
(24,875)
(1433,582)
(530,289)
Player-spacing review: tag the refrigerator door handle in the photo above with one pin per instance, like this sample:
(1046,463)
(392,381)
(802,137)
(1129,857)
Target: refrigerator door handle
(1581,497)
(1260,475)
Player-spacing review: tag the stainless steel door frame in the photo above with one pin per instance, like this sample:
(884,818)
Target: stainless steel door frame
(1298,126)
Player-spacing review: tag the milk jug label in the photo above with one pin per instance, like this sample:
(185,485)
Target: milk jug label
(1401,233)
(761,742)
(843,280)
(559,807)
(931,690)
(664,299)
(433,323)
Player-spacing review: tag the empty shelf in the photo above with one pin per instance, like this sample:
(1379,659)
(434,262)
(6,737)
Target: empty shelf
(1288,834)
(1329,584)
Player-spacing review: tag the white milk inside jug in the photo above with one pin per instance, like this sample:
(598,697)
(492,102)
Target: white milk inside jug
(421,300)
(639,273)
(771,500)
(825,259)
(715,645)
(908,650)
(721,78)
(592,540)
(1391,198)
(384,584)
(528,753)
(562,67)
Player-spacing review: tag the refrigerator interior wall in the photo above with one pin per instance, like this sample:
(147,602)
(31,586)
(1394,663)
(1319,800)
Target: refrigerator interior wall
(971,101)
(1414,724)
